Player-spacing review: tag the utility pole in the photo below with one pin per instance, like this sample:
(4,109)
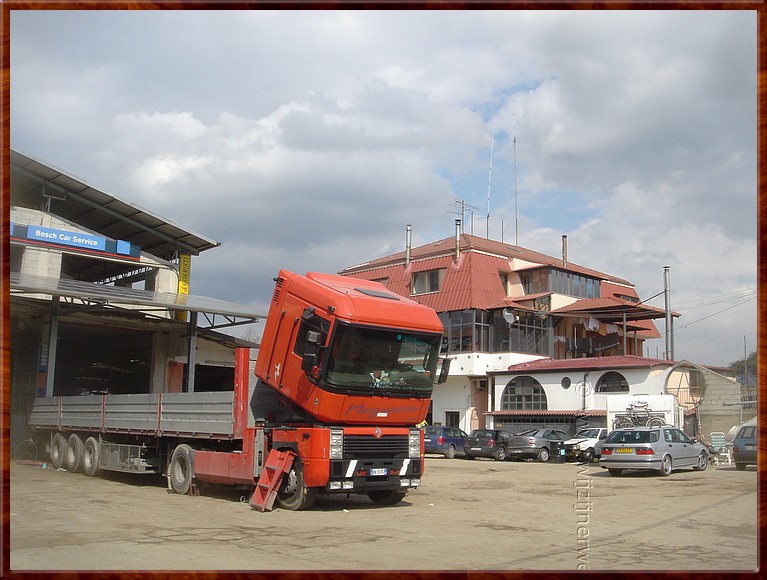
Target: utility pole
(669,319)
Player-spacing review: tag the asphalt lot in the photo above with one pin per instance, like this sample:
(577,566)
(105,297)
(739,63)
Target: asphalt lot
(468,515)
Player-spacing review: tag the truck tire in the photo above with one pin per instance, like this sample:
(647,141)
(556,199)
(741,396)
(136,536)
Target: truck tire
(181,469)
(74,457)
(293,495)
(386,496)
(91,457)
(58,450)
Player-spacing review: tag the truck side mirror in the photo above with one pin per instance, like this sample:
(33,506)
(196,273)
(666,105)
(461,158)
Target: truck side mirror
(312,349)
(444,370)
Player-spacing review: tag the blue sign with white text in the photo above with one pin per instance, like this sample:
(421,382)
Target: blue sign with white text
(74,239)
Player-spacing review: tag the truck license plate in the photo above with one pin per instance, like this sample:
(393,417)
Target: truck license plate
(379,471)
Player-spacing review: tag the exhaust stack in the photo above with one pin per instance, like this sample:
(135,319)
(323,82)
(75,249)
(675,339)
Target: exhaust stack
(457,240)
(408,244)
(564,250)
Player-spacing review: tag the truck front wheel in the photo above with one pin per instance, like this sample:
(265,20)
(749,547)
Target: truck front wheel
(386,497)
(293,495)
(181,470)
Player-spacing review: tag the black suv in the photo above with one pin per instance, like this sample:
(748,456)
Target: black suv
(486,443)
(744,447)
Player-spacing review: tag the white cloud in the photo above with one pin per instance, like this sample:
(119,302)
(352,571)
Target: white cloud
(308,139)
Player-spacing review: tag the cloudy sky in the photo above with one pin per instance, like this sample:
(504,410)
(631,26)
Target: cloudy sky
(308,140)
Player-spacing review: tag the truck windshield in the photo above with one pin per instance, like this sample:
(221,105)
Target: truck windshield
(386,362)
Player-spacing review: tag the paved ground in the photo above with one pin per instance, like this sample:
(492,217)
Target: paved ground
(468,515)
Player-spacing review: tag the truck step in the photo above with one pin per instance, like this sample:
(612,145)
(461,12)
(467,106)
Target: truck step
(277,464)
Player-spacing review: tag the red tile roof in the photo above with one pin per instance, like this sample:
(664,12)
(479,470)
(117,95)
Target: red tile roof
(549,412)
(594,363)
(473,282)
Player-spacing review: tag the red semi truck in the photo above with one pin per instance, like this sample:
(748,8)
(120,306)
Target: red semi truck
(344,374)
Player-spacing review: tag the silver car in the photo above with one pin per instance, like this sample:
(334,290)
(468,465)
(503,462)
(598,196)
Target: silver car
(659,448)
(536,443)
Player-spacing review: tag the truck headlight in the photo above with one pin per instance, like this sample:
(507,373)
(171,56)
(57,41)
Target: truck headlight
(414,444)
(336,444)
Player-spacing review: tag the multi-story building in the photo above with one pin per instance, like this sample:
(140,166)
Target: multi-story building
(504,305)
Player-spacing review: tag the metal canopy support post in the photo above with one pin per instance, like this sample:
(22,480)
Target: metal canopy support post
(191,360)
(53,340)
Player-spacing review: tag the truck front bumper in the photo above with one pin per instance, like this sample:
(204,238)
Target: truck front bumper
(361,476)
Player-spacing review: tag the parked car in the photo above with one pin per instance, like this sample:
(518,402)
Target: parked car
(585,443)
(744,447)
(659,448)
(446,441)
(535,443)
(487,443)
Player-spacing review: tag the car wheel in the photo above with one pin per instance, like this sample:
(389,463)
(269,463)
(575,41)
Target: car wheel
(500,454)
(665,466)
(587,456)
(450,453)
(702,462)
(740,466)
(467,456)
(615,472)
(543,455)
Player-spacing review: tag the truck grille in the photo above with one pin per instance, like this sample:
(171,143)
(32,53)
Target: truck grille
(368,447)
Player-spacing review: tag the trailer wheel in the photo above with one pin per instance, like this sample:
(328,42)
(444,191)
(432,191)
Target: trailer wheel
(181,469)
(74,457)
(58,450)
(91,457)
(293,495)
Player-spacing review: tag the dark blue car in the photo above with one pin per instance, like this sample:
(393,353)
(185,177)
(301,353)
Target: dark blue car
(446,441)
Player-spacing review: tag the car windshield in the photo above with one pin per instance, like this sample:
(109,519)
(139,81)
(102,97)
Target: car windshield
(481,433)
(528,432)
(632,437)
(382,361)
(589,433)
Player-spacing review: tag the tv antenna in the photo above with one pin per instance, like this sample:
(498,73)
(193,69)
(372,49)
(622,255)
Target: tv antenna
(489,177)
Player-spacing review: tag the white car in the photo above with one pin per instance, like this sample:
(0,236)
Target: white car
(584,445)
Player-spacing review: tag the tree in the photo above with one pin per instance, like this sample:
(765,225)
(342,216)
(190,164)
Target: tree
(748,363)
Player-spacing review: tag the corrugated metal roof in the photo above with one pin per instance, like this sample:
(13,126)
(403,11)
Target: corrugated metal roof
(32,181)
(25,284)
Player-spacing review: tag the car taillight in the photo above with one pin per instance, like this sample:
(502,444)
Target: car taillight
(644,452)
(735,448)
(491,443)
(440,440)
(531,441)
(606,451)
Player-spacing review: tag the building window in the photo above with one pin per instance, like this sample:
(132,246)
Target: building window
(559,282)
(427,281)
(505,283)
(452,419)
(523,394)
(465,331)
(612,382)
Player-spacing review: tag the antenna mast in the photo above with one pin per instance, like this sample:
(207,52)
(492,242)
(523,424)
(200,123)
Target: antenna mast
(489,177)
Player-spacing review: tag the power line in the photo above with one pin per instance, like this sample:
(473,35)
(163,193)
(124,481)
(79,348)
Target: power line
(715,313)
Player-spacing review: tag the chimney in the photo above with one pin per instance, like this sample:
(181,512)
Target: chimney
(408,244)
(564,250)
(457,240)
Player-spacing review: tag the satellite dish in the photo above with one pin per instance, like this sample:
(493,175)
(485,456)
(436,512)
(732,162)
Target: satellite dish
(508,316)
